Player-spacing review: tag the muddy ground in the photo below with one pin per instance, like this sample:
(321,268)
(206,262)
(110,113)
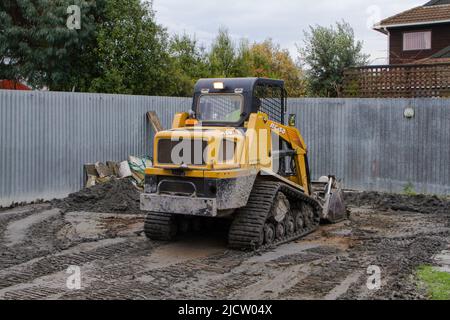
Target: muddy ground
(39,242)
(118,195)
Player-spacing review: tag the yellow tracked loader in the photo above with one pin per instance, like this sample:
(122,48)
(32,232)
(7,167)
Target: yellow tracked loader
(233,157)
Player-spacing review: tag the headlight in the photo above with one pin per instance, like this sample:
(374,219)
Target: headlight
(219,85)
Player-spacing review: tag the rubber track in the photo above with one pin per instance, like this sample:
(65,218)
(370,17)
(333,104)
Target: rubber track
(157,226)
(247,227)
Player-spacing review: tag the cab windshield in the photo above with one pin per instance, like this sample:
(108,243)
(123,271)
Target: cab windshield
(220,108)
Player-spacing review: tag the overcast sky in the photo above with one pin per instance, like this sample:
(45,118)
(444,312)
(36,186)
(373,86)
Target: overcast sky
(281,20)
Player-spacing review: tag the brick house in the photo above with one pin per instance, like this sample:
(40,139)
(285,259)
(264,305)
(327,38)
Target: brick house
(419,35)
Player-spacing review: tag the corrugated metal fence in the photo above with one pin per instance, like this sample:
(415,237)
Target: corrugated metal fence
(372,146)
(45,138)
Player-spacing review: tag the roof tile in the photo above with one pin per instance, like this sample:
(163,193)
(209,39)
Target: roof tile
(422,14)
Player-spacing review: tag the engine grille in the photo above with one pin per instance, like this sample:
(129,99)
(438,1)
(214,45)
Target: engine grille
(182,151)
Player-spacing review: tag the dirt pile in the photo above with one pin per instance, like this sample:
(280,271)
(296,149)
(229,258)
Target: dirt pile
(409,203)
(118,195)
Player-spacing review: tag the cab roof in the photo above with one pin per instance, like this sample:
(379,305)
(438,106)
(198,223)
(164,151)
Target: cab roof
(230,84)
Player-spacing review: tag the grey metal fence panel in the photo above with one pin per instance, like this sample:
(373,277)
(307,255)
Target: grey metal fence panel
(372,146)
(46,137)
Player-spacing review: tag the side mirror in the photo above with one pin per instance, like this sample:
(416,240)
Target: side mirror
(292,120)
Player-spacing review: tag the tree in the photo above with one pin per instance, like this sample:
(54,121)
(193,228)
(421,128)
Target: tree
(223,56)
(327,53)
(132,51)
(264,59)
(36,45)
(243,60)
(269,60)
(189,63)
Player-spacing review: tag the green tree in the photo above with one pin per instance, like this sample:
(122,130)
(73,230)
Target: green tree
(36,45)
(189,63)
(132,51)
(243,60)
(223,56)
(327,52)
(264,59)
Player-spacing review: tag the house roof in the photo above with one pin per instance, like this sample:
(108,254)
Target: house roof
(437,2)
(435,11)
(12,85)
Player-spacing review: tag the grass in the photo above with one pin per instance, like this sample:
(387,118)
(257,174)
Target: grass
(437,282)
(409,190)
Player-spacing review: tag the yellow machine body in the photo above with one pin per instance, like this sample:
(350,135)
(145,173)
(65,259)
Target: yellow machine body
(253,152)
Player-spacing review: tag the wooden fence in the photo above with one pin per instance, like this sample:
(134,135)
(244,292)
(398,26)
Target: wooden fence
(398,81)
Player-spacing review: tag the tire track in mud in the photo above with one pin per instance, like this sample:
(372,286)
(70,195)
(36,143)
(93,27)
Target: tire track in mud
(16,232)
(398,259)
(329,264)
(326,276)
(37,232)
(279,270)
(272,283)
(120,272)
(407,241)
(343,286)
(16,253)
(35,245)
(247,276)
(54,284)
(11,215)
(78,256)
(154,275)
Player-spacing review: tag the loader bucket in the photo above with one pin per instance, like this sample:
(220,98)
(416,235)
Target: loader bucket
(331,196)
(335,210)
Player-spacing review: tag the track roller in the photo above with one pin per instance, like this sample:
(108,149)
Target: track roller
(275,213)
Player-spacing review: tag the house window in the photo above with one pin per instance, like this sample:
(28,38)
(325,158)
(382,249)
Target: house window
(417,41)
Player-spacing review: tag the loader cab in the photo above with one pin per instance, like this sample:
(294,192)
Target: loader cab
(229,102)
